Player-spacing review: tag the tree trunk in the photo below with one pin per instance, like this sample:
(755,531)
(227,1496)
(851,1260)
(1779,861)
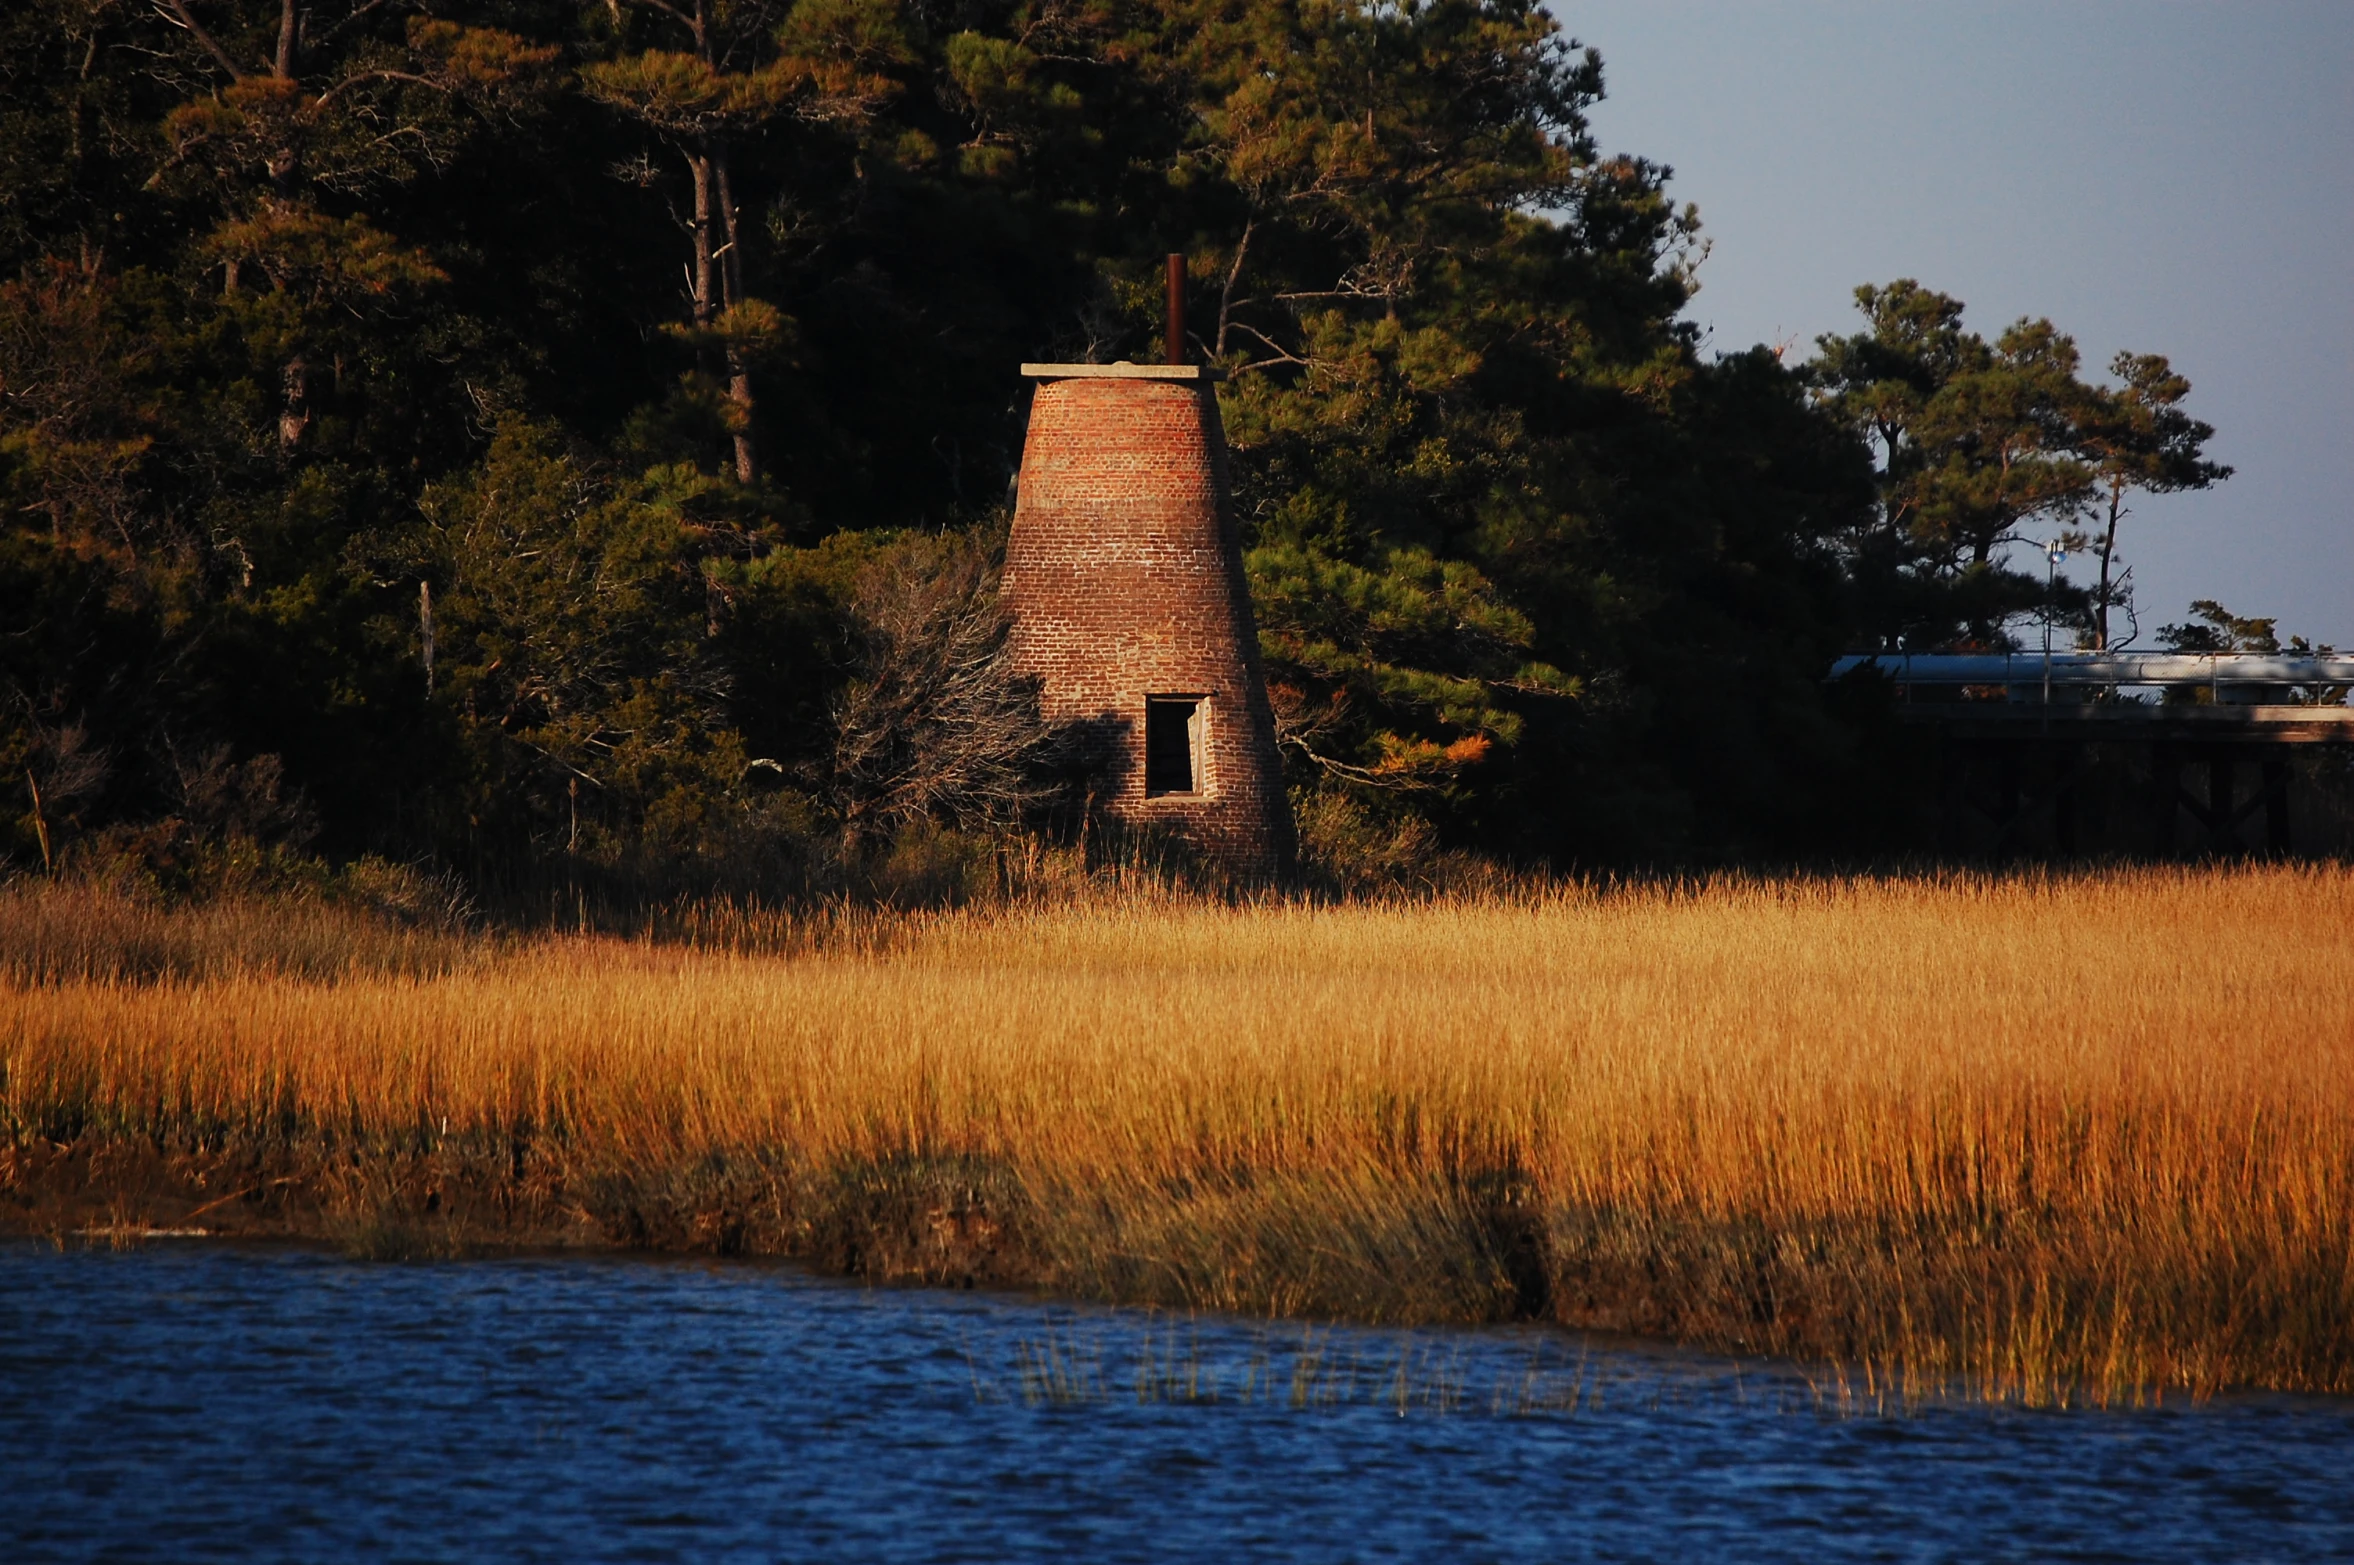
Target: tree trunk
(294,408)
(718,283)
(699,166)
(2100,629)
(739,372)
(739,391)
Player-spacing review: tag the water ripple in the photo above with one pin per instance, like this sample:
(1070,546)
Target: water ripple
(199,1401)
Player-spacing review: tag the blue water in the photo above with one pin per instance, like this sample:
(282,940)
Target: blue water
(195,1401)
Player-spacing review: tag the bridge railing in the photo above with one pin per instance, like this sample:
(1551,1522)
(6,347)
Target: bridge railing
(2234,678)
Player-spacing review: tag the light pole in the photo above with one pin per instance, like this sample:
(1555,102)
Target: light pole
(2053,554)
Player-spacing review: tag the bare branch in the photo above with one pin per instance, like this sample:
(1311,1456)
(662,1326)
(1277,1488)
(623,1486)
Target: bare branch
(363,77)
(1283,355)
(1398,782)
(359,14)
(692,23)
(1242,247)
(560,762)
(176,13)
(940,726)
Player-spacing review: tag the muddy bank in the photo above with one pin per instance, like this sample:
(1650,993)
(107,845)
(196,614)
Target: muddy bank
(2015,1314)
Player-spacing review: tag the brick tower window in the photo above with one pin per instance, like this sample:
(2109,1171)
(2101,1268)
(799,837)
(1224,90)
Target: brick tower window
(1173,744)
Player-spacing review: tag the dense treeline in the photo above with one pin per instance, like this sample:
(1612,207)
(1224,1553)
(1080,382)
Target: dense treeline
(512,435)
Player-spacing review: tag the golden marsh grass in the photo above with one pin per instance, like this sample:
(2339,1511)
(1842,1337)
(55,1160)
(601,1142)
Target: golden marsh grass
(2077,1136)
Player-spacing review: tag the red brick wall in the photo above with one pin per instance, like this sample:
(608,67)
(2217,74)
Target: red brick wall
(1125,579)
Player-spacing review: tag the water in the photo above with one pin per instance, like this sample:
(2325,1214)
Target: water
(193,1401)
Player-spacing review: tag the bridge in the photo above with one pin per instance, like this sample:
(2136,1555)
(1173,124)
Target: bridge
(2017,733)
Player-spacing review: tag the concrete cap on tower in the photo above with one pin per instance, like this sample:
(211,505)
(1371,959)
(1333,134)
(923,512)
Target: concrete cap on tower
(1122,371)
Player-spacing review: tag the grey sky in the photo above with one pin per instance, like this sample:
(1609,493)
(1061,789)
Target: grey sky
(2169,178)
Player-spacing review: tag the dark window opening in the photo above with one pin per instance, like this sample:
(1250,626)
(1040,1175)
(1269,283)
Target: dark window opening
(1172,744)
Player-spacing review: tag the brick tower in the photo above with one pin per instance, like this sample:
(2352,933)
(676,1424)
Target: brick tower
(1125,579)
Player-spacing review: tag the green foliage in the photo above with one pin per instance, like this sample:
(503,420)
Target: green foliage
(2138,438)
(1978,440)
(499,417)
(603,651)
(1502,509)
(1974,441)
(1390,640)
(2214,628)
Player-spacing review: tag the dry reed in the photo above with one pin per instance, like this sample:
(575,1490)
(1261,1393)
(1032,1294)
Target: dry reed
(69,931)
(2046,1138)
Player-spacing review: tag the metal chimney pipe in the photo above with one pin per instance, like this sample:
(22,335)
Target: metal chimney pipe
(1176,353)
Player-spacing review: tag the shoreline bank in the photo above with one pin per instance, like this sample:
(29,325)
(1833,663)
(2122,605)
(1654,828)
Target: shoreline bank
(1870,1122)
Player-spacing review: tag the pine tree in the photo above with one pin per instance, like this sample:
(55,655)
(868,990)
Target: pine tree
(297,108)
(747,64)
(1975,440)
(2138,440)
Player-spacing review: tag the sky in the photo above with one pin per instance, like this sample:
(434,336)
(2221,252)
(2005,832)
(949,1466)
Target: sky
(2171,178)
